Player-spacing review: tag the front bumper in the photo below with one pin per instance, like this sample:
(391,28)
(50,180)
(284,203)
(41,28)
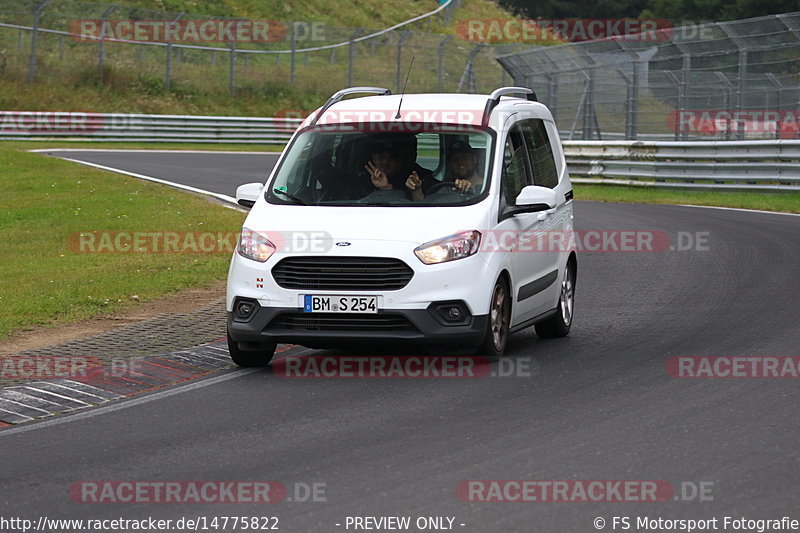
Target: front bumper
(320,330)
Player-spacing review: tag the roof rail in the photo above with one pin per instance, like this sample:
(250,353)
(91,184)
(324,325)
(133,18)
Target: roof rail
(494,99)
(337,96)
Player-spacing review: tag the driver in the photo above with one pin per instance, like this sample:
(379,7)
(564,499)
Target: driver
(462,171)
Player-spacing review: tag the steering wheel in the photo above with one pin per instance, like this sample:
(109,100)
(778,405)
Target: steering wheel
(442,184)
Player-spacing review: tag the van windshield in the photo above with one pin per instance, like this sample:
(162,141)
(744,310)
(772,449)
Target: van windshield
(350,166)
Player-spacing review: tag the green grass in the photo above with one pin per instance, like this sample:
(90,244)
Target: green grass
(766,201)
(133,78)
(47,201)
(356,13)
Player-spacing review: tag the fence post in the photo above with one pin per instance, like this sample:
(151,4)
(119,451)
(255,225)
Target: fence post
(61,48)
(742,48)
(351,57)
(168,67)
(232,69)
(740,101)
(32,59)
(727,101)
(633,105)
(587,106)
(552,88)
(778,101)
(684,87)
(399,73)
(292,73)
(440,65)
(679,123)
(101,46)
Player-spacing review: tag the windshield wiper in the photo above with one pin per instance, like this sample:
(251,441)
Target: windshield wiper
(290,196)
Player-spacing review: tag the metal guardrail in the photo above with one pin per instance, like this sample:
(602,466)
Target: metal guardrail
(735,165)
(116,127)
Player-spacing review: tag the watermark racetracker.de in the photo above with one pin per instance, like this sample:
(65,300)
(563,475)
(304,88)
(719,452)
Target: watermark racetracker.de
(195,31)
(582,491)
(491,241)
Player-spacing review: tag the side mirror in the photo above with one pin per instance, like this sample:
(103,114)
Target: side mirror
(535,198)
(247,194)
(531,199)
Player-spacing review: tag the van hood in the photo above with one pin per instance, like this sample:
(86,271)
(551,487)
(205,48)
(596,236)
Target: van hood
(415,225)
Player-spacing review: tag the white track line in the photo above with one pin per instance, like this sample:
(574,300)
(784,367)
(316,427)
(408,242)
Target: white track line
(740,209)
(129,403)
(224,197)
(40,150)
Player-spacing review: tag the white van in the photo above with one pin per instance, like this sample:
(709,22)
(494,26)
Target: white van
(443,220)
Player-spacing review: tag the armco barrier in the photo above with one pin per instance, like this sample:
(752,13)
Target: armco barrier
(735,165)
(48,126)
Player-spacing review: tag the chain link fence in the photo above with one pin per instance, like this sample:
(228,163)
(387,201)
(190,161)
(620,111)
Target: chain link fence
(44,42)
(721,81)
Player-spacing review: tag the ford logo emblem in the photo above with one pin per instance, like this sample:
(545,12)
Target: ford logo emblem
(343,243)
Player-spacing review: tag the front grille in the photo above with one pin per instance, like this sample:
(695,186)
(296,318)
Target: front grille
(342,273)
(340,322)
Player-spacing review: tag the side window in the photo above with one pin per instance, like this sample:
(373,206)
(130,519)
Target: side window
(429,152)
(513,177)
(540,152)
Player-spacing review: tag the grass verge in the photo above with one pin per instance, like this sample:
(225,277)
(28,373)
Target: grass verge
(46,202)
(765,201)
(92,145)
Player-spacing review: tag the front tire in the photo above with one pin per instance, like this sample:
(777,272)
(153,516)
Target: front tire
(251,358)
(496,337)
(560,323)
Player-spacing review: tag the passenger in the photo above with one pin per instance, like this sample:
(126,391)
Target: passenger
(394,163)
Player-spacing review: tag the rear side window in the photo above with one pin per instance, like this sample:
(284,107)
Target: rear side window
(540,152)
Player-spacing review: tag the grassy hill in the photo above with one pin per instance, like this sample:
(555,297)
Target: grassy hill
(352,13)
(82,76)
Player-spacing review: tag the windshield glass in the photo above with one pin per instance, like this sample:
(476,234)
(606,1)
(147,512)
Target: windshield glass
(350,166)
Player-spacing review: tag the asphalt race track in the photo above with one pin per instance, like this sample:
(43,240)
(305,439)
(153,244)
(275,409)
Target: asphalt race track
(198,169)
(598,405)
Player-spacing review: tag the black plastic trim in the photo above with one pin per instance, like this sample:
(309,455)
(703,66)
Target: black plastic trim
(426,330)
(533,321)
(536,286)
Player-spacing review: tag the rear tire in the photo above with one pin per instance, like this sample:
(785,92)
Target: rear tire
(560,323)
(496,337)
(251,358)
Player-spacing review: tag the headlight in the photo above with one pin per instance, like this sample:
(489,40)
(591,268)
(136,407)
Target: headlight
(450,248)
(255,246)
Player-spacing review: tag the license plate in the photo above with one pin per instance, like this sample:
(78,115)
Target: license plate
(340,304)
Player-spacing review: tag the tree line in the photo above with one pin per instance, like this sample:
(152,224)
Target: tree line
(674,10)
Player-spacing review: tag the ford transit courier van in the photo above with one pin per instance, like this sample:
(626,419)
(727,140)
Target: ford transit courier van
(443,220)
